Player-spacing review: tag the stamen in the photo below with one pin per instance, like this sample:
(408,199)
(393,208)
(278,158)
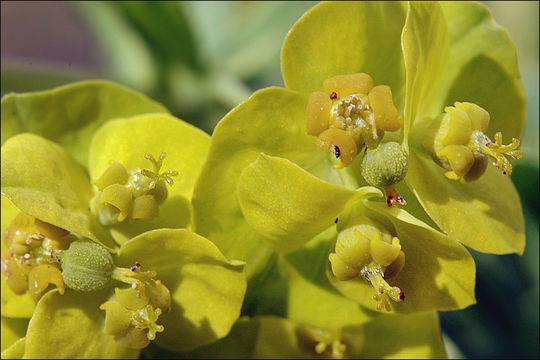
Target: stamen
(384,291)
(333,95)
(393,196)
(480,143)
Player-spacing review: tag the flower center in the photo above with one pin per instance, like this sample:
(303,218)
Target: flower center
(460,145)
(33,261)
(132,313)
(131,195)
(368,251)
(350,113)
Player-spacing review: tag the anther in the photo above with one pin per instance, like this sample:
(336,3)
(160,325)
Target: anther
(336,151)
(333,95)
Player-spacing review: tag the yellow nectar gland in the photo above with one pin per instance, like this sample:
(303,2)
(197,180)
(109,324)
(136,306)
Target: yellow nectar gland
(364,250)
(33,260)
(350,114)
(132,313)
(462,147)
(131,195)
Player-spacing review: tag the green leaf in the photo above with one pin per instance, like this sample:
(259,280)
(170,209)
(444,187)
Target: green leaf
(491,203)
(271,121)
(439,273)
(336,38)
(42,180)
(414,336)
(482,68)
(425,50)
(15,351)
(128,140)
(71,326)
(206,289)
(13,306)
(286,204)
(69,115)
(12,330)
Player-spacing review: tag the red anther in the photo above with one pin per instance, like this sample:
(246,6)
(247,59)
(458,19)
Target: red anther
(402,295)
(504,172)
(488,144)
(133,268)
(333,95)
(137,264)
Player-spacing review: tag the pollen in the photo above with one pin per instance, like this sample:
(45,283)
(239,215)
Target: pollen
(350,104)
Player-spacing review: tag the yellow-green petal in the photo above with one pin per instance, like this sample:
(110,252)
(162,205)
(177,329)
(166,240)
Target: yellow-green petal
(70,114)
(288,205)
(12,330)
(128,140)
(270,121)
(491,203)
(15,351)
(71,326)
(439,273)
(207,290)
(482,68)
(44,181)
(340,38)
(414,336)
(425,50)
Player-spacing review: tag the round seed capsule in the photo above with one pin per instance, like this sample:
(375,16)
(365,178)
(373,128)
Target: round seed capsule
(385,165)
(86,266)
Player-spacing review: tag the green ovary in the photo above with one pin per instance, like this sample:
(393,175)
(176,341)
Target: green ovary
(137,194)
(460,145)
(371,252)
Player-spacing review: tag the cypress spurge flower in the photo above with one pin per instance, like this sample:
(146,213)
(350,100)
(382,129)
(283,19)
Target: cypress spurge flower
(288,163)
(162,283)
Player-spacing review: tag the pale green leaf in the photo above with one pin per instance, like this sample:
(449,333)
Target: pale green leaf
(286,204)
(271,121)
(14,306)
(70,326)
(439,273)
(44,181)
(69,115)
(206,289)
(13,329)
(339,38)
(425,51)
(128,140)
(490,203)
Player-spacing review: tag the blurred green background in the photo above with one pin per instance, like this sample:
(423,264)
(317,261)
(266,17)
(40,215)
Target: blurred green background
(200,59)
